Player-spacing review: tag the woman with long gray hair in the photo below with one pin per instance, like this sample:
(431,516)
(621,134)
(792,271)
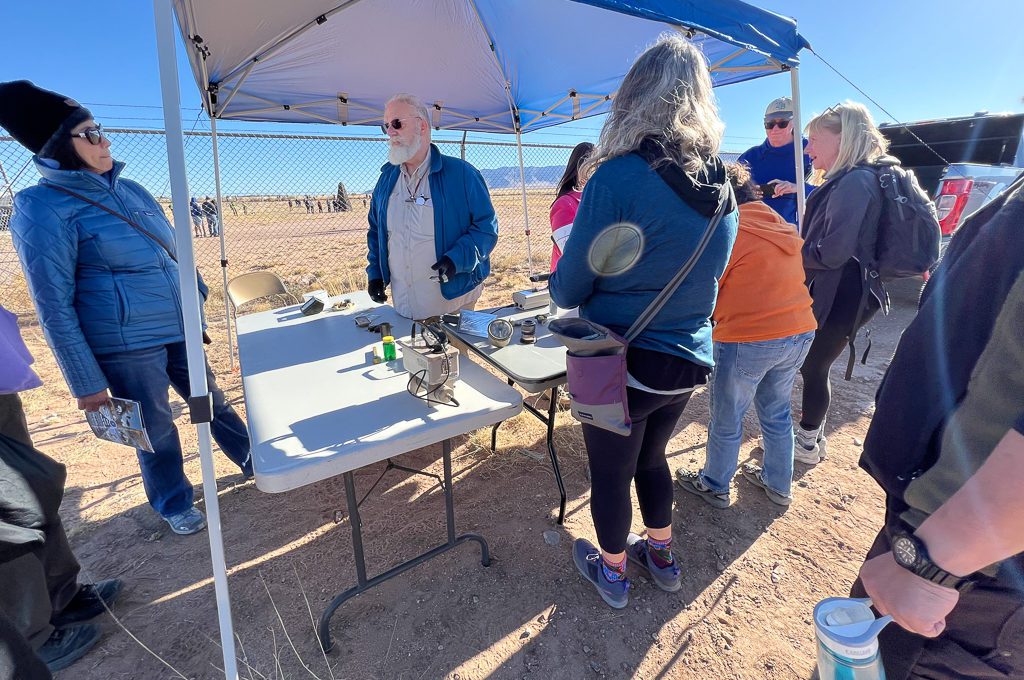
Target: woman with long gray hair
(655,184)
(841,218)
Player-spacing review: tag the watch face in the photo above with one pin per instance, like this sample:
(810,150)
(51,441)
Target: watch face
(500,329)
(904,550)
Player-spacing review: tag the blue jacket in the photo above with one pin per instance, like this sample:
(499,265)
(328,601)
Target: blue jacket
(465,228)
(99,285)
(767,162)
(626,190)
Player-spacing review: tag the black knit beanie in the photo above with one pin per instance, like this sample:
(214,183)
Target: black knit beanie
(34,117)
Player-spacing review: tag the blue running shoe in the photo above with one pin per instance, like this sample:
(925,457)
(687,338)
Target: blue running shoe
(588,562)
(666,578)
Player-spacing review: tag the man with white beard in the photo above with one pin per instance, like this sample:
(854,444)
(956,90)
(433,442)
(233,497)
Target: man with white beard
(432,225)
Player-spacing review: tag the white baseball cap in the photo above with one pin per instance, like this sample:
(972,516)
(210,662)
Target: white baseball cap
(779,108)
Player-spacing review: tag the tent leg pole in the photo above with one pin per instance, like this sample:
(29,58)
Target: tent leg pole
(798,149)
(462,150)
(198,388)
(526,212)
(223,243)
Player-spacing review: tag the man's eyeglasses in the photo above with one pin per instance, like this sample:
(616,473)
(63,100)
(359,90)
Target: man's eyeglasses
(94,135)
(396,123)
(771,124)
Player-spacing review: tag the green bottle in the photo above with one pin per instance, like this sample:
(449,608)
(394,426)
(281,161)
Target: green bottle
(389,348)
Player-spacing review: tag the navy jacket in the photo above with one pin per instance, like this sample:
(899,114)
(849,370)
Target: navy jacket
(465,228)
(766,163)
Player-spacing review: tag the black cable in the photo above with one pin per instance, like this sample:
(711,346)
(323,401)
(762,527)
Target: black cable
(885,111)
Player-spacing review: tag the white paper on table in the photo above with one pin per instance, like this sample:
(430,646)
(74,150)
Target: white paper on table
(560,236)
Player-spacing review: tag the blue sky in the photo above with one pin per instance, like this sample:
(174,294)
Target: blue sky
(917,58)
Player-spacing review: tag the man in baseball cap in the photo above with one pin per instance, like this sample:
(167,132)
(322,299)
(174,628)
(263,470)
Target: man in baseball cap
(773,164)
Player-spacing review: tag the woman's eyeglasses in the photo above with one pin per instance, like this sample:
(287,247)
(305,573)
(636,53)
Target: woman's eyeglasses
(396,123)
(94,135)
(771,124)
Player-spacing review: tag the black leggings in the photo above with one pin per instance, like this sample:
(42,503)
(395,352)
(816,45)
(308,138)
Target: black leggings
(616,460)
(829,343)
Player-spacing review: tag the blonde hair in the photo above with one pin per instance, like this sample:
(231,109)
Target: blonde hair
(666,96)
(859,138)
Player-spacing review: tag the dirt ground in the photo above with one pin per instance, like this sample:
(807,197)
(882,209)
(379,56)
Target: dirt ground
(751,574)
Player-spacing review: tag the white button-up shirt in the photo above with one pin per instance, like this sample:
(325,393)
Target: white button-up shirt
(411,250)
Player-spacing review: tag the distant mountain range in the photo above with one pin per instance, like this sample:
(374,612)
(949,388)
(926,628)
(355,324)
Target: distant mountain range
(538,176)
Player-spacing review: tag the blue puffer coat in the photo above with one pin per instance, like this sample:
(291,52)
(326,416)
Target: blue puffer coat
(99,285)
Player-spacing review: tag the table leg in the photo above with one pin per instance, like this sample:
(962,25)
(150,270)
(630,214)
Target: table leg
(494,430)
(552,410)
(364,584)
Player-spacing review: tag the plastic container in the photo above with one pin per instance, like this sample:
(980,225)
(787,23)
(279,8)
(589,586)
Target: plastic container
(389,348)
(847,633)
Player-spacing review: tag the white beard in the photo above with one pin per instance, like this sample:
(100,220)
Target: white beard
(403,153)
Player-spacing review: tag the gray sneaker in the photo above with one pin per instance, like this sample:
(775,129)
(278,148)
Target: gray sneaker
(691,481)
(190,521)
(755,475)
(806,449)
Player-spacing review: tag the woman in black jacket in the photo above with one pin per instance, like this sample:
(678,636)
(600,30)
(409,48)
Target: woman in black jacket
(840,224)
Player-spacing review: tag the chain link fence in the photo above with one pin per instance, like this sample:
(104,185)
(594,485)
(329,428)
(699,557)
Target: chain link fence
(297,205)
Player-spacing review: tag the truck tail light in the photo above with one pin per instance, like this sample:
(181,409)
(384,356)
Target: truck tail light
(951,203)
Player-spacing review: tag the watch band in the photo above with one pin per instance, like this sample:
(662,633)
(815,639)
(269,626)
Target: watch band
(928,570)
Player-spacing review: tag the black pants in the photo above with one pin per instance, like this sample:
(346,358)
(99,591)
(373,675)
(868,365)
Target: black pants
(830,341)
(615,461)
(38,571)
(983,639)
(17,660)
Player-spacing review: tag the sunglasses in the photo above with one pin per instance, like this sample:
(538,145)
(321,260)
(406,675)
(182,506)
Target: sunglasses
(94,135)
(771,124)
(396,123)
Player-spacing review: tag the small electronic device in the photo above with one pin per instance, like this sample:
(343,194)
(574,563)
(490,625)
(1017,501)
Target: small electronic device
(433,367)
(767,190)
(499,332)
(531,299)
(363,321)
(313,305)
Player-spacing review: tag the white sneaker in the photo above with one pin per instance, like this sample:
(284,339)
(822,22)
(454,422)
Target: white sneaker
(806,448)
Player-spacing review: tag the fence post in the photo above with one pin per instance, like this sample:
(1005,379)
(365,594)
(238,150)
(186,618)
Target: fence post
(462,150)
(223,249)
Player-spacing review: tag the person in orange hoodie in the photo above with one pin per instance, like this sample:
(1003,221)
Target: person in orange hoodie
(763,328)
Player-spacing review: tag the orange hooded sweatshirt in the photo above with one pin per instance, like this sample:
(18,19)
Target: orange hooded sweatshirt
(762,295)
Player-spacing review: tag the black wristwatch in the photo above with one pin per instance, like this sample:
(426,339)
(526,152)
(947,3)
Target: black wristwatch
(910,553)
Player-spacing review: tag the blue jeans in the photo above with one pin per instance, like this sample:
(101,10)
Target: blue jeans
(762,372)
(145,375)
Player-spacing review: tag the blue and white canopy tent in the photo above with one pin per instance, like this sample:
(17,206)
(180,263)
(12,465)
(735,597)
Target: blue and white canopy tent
(481,65)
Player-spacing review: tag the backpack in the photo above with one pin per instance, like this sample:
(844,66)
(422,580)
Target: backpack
(908,237)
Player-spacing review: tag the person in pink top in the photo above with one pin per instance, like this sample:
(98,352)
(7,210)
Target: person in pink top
(567,200)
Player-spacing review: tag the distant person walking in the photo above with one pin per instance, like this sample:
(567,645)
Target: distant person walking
(210,210)
(567,196)
(196,211)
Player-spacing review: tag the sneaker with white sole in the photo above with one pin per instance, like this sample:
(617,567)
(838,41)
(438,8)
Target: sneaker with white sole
(806,449)
(692,482)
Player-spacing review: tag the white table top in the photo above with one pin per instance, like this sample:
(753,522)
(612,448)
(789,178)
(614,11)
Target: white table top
(534,367)
(317,406)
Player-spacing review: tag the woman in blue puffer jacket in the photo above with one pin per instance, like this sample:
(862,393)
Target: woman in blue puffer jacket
(106,290)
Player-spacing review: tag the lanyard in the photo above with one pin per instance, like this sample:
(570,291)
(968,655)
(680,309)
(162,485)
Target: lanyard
(418,200)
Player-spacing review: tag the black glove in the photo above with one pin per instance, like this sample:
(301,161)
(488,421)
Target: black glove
(445,268)
(376,290)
